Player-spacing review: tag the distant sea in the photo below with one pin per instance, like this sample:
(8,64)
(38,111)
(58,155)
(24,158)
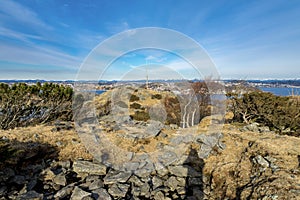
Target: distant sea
(281,91)
(95,91)
(99,91)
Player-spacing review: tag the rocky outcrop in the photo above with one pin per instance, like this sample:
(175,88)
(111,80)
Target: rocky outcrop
(227,165)
(60,181)
(254,166)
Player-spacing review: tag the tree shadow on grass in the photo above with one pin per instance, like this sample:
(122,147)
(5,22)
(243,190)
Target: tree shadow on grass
(21,165)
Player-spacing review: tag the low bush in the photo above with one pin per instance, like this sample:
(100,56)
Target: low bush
(141,116)
(277,112)
(173,110)
(22,104)
(135,106)
(156,96)
(134,98)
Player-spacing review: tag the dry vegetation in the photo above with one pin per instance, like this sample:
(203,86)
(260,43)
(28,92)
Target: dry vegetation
(66,141)
(234,174)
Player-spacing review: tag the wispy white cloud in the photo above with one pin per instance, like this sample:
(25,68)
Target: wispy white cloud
(22,48)
(85,39)
(37,55)
(179,65)
(150,57)
(40,43)
(27,52)
(18,13)
(114,28)
(154,72)
(18,35)
(241,38)
(13,15)
(64,25)
(151,50)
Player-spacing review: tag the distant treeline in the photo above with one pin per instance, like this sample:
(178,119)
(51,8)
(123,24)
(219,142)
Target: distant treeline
(22,104)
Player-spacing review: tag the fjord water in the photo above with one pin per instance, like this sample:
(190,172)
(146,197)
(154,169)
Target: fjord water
(281,91)
(99,91)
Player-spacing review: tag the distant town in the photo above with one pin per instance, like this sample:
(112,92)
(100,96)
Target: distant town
(105,85)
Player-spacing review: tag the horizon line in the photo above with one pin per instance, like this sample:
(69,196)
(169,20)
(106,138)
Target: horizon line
(114,80)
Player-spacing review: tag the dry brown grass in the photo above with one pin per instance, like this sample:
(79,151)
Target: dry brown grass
(145,98)
(66,141)
(137,145)
(232,167)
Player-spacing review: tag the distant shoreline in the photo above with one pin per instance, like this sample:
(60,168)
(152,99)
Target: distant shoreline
(285,87)
(282,91)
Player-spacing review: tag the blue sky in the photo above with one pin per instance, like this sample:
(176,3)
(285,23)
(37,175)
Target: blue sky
(49,39)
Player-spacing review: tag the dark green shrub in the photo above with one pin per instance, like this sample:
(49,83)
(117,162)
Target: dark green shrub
(134,98)
(277,112)
(156,96)
(24,105)
(173,110)
(135,106)
(141,116)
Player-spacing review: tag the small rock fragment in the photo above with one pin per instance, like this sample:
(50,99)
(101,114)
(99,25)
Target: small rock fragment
(64,192)
(118,190)
(32,195)
(60,179)
(101,194)
(79,194)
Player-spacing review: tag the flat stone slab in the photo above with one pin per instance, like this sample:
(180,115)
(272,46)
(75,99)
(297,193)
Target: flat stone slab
(118,190)
(81,166)
(116,177)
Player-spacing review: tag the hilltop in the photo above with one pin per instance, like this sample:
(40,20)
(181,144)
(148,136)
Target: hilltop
(169,152)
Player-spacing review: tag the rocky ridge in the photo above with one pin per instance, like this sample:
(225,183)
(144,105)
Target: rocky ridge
(237,165)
